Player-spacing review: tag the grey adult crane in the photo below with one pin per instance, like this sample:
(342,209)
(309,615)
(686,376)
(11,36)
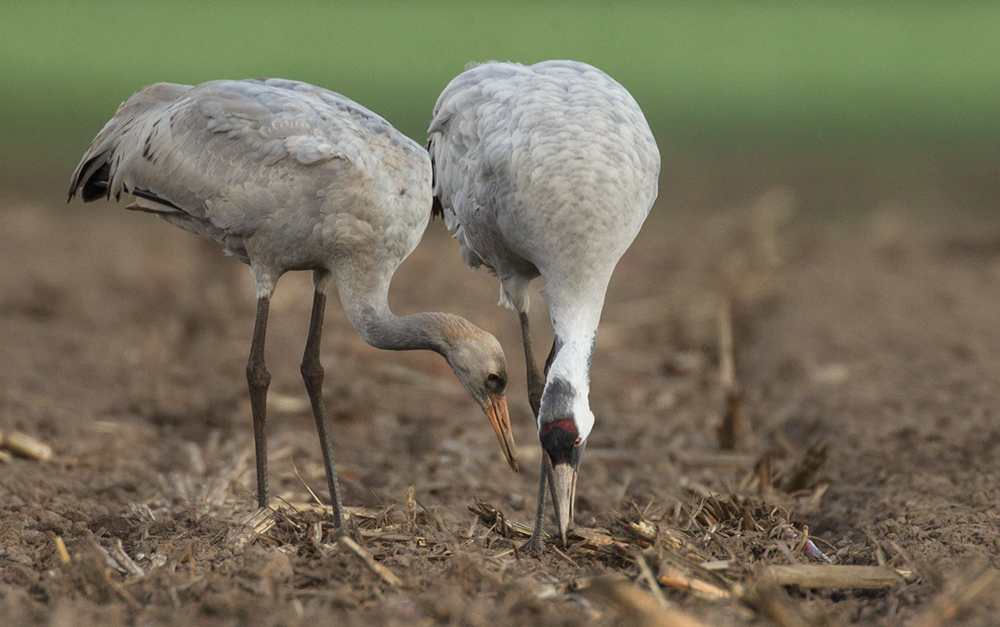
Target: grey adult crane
(547,170)
(288,176)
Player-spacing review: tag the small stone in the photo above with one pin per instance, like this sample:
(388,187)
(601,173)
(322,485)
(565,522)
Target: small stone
(32,536)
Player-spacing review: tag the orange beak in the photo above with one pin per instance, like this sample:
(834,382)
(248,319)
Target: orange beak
(497,413)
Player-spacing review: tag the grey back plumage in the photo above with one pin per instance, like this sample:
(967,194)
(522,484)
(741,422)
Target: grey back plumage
(547,169)
(283,174)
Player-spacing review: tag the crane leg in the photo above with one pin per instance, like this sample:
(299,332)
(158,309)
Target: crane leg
(535,381)
(312,374)
(552,355)
(537,540)
(259,379)
(535,386)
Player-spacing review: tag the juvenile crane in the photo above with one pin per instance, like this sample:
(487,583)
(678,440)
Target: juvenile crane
(288,176)
(547,170)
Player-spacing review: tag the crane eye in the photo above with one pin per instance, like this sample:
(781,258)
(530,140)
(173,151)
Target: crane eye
(577,443)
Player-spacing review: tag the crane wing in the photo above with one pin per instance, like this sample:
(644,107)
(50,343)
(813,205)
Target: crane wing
(464,139)
(224,151)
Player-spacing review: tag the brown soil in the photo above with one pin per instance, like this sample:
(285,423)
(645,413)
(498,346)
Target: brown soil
(124,345)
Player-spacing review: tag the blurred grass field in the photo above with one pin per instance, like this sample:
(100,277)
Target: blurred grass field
(798,77)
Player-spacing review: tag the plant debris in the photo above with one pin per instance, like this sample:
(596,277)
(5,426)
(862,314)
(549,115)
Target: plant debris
(25,446)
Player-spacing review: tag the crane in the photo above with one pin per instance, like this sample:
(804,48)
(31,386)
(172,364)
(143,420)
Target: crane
(546,170)
(289,176)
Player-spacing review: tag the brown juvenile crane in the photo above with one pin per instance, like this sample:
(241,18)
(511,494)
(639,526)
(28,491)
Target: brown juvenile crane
(288,176)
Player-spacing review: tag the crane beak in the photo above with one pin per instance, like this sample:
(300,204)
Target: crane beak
(496,410)
(564,495)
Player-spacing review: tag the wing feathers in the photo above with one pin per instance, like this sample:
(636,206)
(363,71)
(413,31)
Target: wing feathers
(186,146)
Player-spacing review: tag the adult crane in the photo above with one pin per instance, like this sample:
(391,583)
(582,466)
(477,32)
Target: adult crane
(546,170)
(288,176)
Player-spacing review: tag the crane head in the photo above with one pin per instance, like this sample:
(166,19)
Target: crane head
(564,424)
(479,363)
(562,442)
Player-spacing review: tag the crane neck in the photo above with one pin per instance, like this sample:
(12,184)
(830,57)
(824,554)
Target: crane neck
(367,308)
(471,352)
(432,330)
(567,382)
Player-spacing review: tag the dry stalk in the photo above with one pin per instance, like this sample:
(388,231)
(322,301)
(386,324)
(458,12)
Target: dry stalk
(306,485)
(715,565)
(838,577)
(765,474)
(644,530)
(647,576)
(122,592)
(259,523)
(360,513)
(119,555)
(638,607)
(597,540)
(25,446)
(383,572)
(589,539)
(411,510)
(769,600)
(378,534)
(186,552)
(61,550)
(99,562)
(564,556)
(879,554)
(732,428)
(744,271)
(495,520)
(727,361)
(802,474)
(678,574)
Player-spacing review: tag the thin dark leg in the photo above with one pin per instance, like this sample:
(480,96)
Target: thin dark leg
(552,355)
(535,386)
(537,540)
(259,378)
(312,373)
(535,381)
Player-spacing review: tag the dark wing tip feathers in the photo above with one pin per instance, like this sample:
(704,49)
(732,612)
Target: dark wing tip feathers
(437,209)
(90,180)
(93,185)
(96,185)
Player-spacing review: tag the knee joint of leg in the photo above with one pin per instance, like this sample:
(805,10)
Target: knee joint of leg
(312,371)
(258,376)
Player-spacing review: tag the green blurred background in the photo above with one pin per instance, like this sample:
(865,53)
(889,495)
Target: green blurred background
(845,102)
